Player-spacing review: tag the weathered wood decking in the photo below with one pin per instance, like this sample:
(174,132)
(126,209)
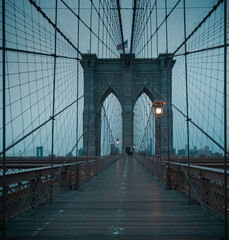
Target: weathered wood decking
(123,202)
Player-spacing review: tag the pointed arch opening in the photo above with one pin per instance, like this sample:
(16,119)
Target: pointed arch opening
(144,126)
(111,125)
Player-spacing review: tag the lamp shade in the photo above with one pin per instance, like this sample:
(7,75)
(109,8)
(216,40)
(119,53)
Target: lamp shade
(158,108)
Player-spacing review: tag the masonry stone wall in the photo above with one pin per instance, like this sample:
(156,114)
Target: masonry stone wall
(127,78)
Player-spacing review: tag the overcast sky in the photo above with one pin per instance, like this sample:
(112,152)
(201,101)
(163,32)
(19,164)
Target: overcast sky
(34,75)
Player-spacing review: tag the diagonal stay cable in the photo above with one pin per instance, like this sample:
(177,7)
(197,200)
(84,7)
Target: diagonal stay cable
(142,29)
(84,131)
(164,20)
(41,125)
(76,15)
(44,123)
(133,26)
(53,24)
(120,24)
(104,116)
(200,24)
(67,158)
(196,125)
(109,119)
(205,133)
(38,53)
(99,15)
(193,188)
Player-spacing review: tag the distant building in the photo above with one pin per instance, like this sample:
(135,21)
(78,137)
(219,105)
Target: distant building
(181,152)
(39,151)
(80,152)
(194,151)
(186,150)
(217,154)
(204,151)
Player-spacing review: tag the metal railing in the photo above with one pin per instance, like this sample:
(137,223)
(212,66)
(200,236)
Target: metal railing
(206,183)
(28,187)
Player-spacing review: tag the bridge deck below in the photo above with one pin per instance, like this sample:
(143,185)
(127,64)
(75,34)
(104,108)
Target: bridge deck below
(123,202)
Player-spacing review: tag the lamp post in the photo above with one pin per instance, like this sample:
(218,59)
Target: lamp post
(158,113)
(117,144)
(134,147)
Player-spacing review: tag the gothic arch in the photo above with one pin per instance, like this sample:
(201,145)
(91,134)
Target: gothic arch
(106,93)
(127,78)
(149,92)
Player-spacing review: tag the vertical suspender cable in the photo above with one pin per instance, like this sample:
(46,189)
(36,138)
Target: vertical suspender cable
(88,114)
(150,129)
(4,119)
(109,39)
(158,92)
(77,93)
(120,24)
(106,35)
(168,92)
(187,108)
(144,48)
(90,25)
(225,122)
(103,28)
(104,127)
(153,137)
(133,27)
(156,29)
(53,104)
(151,29)
(145,122)
(98,28)
(147,31)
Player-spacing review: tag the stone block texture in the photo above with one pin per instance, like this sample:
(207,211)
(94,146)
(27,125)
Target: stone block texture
(127,78)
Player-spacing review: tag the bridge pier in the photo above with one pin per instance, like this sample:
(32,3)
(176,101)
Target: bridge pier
(127,106)
(127,78)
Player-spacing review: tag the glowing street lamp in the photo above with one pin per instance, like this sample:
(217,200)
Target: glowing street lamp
(117,141)
(134,146)
(158,108)
(158,113)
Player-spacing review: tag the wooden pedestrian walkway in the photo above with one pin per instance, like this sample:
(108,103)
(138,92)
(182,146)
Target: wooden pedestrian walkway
(122,202)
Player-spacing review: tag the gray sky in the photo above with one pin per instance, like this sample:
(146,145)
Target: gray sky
(34,74)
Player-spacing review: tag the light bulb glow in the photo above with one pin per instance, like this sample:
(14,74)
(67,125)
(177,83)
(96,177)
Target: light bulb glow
(158,110)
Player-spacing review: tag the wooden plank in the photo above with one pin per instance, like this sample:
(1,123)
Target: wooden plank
(123,202)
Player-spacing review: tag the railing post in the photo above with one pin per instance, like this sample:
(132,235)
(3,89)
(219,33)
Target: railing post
(96,166)
(64,180)
(77,76)
(77,176)
(187,106)
(4,120)
(34,185)
(53,103)
(167,183)
(225,124)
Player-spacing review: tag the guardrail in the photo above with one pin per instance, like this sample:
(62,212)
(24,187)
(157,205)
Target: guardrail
(206,184)
(27,188)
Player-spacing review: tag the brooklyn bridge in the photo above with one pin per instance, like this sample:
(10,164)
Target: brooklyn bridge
(114,119)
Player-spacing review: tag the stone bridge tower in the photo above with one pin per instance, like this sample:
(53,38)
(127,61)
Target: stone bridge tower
(127,78)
